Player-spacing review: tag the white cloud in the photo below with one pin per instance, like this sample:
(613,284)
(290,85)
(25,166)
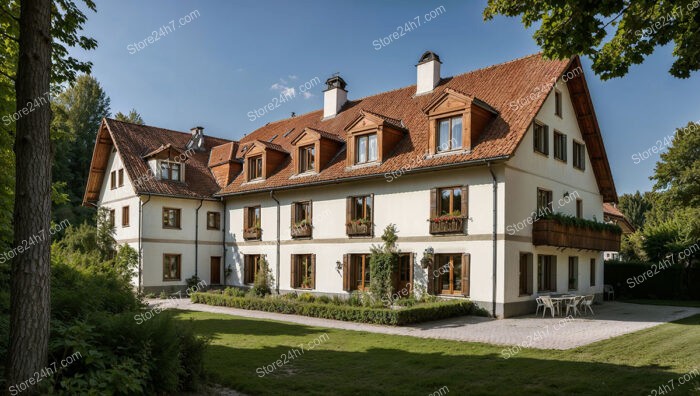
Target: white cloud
(292,77)
(284,89)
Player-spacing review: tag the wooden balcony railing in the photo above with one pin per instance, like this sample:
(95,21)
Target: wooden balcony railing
(552,232)
(447,226)
(252,234)
(301,231)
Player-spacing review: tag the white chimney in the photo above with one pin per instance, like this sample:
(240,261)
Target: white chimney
(334,97)
(428,70)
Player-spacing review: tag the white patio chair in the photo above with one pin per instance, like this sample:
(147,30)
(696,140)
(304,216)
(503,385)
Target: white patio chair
(587,304)
(540,304)
(572,305)
(548,303)
(609,291)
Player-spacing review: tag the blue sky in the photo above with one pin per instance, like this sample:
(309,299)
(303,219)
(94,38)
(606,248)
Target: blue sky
(232,57)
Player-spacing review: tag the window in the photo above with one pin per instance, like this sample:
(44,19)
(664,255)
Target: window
(360,268)
(541,134)
(253,217)
(525,284)
(171,267)
(361,208)
(559,146)
(579,156)
(557,103)
(579,208)
(307,156)
(573,273)
(546,273)
(303,271)
(113,180)
(110,220)
(302,213)
(449,268)
(255,167)
(251,266)
(449,136)
(366,148)
(592,272)
(450,201)
(213,221)
(544,201)
(125,216)
(121,177)
(171,218)
(169,170)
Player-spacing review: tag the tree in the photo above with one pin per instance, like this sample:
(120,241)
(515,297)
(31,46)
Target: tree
(133,117)
(571,28)
(634,207)
(382,263)
(677,174)
(36,36)
(78,114)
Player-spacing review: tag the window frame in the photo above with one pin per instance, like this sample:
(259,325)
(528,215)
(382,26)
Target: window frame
(296,208)
(452,200)
(179,267)
(111,219)
(217,219)
(364,264)
(572,270)
(450,119)
(113,180)
(525,277)
(579,208)
(579,156)
(545,134)
(366,136)
(592,272)
(558,110)
(120,174)
(550,200)
(170,165)
(364,198)
(125,215)
(560,151)
(178,211)
(546,280)
(251,264)
(300,273)
(451,274)
(256,212)
(307,158)
(255,167)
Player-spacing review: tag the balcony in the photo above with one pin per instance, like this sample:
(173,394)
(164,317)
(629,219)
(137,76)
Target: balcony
(301,231)
(359,228)
(252,234)
(562,231)
(447,225)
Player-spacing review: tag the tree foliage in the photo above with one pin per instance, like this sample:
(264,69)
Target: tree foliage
(677,174)
(133,117)
(637,28)
(635,207)
(383,262)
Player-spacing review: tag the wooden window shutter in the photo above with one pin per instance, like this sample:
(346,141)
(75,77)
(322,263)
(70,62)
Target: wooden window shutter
(431,277)
(412,260)
(346,272)
(554,273)
(546,139)
(294,214)
(466,264)
(313,271)
(529,272)
(433,202)
(374,209)
(246,269)
(294,272)
(465,202)
(348,209)
(245,218)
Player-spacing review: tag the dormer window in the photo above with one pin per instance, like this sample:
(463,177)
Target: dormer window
(307,158)
(449,136)
(170,170)
(366,148)
(255,167)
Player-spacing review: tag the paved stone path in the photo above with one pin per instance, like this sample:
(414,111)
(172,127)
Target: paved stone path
(612,319)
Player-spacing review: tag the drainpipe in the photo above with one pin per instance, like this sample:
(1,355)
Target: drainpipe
(277,280)
(495,236)
(196,238)
(223,241)
(141,205)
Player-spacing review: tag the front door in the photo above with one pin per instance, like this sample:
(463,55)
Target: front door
(403,278)
(215,271)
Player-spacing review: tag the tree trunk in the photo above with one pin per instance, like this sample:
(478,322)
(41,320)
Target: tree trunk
(30,294)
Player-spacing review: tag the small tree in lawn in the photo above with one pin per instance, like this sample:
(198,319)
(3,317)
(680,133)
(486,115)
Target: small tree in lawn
(262,284)
(382,263)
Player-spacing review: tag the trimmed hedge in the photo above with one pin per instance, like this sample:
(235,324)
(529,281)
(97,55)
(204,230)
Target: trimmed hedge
(385,316)
(652,280)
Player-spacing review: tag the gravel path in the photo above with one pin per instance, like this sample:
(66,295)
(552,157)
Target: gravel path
(612,319)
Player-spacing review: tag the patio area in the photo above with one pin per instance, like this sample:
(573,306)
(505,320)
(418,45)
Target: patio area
(611,319)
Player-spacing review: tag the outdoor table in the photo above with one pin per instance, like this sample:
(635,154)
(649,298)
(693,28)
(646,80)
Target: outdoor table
(559,300)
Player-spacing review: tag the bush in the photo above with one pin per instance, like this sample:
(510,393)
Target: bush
(263,279)
(307,297)
(385,316)
(234,292)
(632,279)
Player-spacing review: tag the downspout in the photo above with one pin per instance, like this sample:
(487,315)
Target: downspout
(141,205)
(277,259)
(223,241)
(196,238)
(494,236)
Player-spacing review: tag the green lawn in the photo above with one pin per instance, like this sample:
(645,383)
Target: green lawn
(349,362)
(672,303)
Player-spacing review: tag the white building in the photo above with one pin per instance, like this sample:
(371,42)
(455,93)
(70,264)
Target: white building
(457,164)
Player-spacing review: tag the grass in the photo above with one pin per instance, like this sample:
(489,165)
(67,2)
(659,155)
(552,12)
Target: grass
(672,303)
(350,362)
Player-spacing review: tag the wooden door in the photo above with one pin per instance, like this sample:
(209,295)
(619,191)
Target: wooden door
(215,273)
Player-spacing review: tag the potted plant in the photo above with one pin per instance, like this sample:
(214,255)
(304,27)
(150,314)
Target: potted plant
(306,282)
(253,232)
(359,226)
(301,228)
(447,223)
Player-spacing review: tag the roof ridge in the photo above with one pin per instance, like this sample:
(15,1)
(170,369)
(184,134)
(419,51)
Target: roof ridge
(165,129)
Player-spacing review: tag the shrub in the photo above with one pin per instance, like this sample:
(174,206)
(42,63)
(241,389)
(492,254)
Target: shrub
(234,292)
(163,295)
(263,279)
(383,262)
(323,299)
(385,316)
(307,297)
